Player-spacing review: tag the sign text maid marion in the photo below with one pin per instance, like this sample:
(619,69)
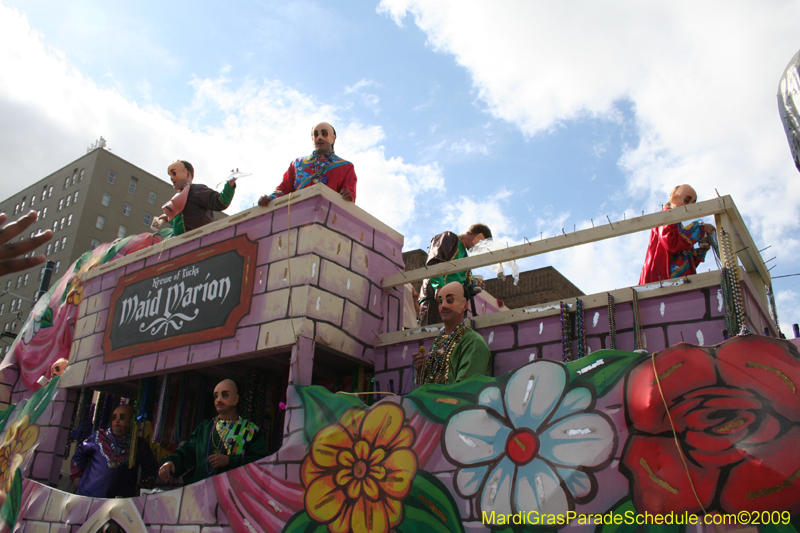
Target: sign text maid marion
(196,298)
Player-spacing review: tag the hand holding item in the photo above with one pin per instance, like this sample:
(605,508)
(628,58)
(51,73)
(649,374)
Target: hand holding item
(10,252)
(264,200)
(166,470)
(419,359)
(346,195)
(709,228)
(218,460)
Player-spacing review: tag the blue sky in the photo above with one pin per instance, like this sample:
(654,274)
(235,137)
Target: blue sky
(529,116)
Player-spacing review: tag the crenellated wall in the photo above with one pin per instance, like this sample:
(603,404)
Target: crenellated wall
(317,267)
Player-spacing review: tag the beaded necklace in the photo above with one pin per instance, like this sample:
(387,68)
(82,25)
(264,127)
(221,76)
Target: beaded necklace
(223,439)
(637,323)
(580,330)
(566,334)
(437,365)
(612,322)
(734,289)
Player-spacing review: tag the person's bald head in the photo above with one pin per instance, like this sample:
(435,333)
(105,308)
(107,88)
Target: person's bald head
(226,398)
(323,136)
(452,304)
(682,195)
(121,420)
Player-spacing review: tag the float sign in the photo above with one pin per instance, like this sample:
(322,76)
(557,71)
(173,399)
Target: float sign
(196,298)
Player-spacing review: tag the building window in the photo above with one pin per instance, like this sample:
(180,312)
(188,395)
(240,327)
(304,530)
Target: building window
(19,282)
(112,177)
(63,243)
(151,197)
(44,194)
(58,265)
(132,187)
(25,280)
(50,191)
(8,285)
(75,197)
(44,213)
(106,199)
(41,273)
(63,219)
(147,219)
(61,204)
(55,226)
(101,222)
(2,307)
(16,209)
(33,200)
(122,231)
(95,244)
(69,220)
(80,178)
(66,182)
(75,177)
(126,210)
(68,200)
(55,247)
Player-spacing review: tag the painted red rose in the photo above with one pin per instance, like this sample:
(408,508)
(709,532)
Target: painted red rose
(736,410)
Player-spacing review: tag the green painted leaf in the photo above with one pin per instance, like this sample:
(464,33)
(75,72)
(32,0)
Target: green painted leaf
(40,400)
(603,376)
(10,510)
(302,523)
(322,408)
(438,402)
(4,415)
(777,528)
(47,318)
(430,507)
(621,508)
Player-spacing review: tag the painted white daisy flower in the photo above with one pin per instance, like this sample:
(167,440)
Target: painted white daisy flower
(532,445)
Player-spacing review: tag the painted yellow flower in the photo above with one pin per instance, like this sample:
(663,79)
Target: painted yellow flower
(75,293)
(360,470)
(19,438)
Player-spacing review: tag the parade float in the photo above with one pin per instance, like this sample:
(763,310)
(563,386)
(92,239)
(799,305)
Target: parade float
(674,399)
(659,407)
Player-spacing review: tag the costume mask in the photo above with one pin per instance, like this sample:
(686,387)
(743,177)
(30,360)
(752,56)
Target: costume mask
(683,195)
(323,138)
(452,304)
(179,175)
(121,420)
(226,397)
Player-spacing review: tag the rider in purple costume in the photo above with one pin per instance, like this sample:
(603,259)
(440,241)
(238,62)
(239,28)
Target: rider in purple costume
(100,465)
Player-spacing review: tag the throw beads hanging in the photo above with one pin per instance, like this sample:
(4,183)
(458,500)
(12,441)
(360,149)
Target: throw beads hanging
(612,323)
(437,364)
(580,329)
(637,323)
(566,334)
(734,286)
(773,311)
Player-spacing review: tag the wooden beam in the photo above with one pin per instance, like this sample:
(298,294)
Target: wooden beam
(559,242)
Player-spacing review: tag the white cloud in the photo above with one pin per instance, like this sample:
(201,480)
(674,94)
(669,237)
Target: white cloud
(258,126)
(701,80)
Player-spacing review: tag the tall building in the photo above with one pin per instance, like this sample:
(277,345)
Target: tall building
(96,198)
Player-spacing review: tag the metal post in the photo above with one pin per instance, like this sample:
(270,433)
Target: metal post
(45,285)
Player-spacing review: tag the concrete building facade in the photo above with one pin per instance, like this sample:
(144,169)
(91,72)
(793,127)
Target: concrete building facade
(96,198)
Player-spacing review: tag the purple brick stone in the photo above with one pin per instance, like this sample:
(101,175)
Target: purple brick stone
(118,369)
(539,330)
(256,228)
(95,371)
(173,358)
(244,341)
(143,364)
(389,248)
(305,212)
(42,463)
(341,221)
(700,333)
(509,361)
(501,337)
(260,277)
(184,248)
(200,353)
(111,279)
(102,321)
(135,267)
(674,308)
(223,234)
